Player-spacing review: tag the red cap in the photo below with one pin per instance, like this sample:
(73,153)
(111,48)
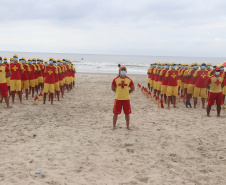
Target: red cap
(217,69)
(123,67)
(0,58)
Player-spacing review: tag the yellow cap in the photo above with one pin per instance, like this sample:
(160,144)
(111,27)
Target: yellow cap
(159,63)
(163,64)
(173,64)
(50,58)
(11,59)
(23,58)
(221,65)
(5,58)
(185,64)
(29,59)
(38,58)
(41,60)
(15,55)
(179,64)
(167,63)
(203,63)
(34,59)
(195,63)
(209,64)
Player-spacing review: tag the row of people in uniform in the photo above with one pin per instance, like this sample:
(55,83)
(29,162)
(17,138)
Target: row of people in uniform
(35,75)
(171,80)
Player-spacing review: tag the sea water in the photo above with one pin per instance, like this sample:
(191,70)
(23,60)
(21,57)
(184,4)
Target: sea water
(96,63)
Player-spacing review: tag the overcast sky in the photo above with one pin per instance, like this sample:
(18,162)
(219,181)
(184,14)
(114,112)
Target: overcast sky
(127,27)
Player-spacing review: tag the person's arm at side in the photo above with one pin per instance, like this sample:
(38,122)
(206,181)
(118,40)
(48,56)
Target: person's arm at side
(208,83)
(113,88)
(8,74)
(132,88)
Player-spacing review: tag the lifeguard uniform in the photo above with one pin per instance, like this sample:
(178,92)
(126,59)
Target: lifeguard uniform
(40,74)
(159,83)
(31,76)
(215,92)
(24,77)
(7,79)
(182,79)
(49,83)
(200,84)
(152,77)
(37,74)
(172,89)
(149,75)
(3,84)
(164,81)
(179,79)
(67,77)
(191,85)
(122,95)
(15,79)
(57,84)
(61,79)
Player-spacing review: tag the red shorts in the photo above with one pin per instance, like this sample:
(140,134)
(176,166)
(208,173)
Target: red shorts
(3,89)
(122,103)
(218,97)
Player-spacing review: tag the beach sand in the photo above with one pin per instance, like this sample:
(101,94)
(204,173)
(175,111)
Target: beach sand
(72,141)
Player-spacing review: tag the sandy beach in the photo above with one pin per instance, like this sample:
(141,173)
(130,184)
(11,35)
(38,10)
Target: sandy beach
(71,142)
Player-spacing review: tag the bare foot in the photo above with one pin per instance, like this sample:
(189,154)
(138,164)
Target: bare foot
(128,128)
(113,128)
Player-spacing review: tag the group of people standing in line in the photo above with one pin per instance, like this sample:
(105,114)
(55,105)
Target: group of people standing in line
(168,81)
(35,75)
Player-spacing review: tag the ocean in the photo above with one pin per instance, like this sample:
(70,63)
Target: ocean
(96,63)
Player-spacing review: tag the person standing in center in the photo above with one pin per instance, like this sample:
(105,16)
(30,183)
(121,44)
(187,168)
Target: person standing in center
(122,86)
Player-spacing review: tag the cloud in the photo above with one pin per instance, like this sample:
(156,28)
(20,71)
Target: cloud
(144,27)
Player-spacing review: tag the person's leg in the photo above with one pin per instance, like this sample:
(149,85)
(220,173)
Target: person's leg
(44,101)
(51,97)
(26,94)
(169,100)
(223,98)
(20,95)
(33,92)
(149,86)
(115,117)
(195,102)
(127,118)
(208,110)
(6,101)
(174,101)
(203,102)
(218,110)
(13,96)
(165,98)
(58,95)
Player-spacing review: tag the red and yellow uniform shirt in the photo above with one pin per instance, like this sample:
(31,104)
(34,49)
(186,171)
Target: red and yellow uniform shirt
(38,70)
(149,72)
(16,70)
(172,76)
(163,75)
(215,84)
(25,73)
(192,79)
(201,77)
(51,72)
(152,73)
(59,72)
(32,72)
(122,87)
(62,73)
(158,75)
(3,70)
(41,66)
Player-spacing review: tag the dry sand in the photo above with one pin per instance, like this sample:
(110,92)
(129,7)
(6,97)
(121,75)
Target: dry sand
(72,142)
